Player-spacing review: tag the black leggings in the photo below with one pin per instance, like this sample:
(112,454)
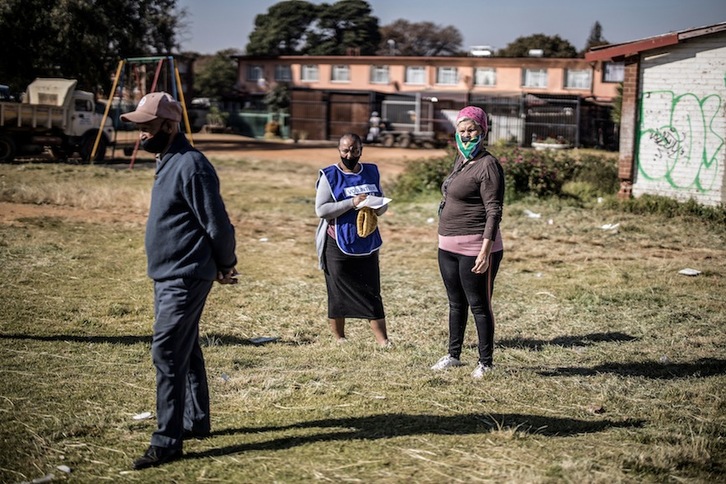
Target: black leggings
(466,289)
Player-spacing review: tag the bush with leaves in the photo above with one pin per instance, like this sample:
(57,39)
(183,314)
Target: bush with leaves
(527,172)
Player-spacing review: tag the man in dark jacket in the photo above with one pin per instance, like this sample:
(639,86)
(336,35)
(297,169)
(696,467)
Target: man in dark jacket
(189,244)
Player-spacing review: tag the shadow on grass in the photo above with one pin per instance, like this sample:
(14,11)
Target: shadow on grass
(702,367)
(566,341)
(386,426)
(206,340)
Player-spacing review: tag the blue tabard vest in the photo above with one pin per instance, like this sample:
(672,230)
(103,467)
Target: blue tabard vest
(347,185)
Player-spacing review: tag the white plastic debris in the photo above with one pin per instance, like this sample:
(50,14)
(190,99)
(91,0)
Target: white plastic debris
(600,200)
(430,220)
(689,272)
(260,340)
(610,226)
(264,239)
(65,469)
(142,416)
(531,214)
(550,222)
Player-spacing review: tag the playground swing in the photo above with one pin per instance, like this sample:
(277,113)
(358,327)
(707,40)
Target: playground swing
(172,81)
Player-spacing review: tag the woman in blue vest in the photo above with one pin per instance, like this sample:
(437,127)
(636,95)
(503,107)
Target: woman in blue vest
(350,262)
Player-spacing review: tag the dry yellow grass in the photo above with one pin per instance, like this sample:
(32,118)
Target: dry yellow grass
(611,367)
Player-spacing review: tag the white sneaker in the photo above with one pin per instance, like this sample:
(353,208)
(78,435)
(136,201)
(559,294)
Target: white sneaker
(446,362)
(480,370)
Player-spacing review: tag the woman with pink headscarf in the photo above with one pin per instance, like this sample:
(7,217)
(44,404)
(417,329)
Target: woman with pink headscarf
(470,244)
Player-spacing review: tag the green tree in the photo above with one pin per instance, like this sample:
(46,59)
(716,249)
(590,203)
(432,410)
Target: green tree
(296,27)
(552,46)
(80,39)
(595,37)
(283,29)
(344,26)
(216,76)
(419,39)
(278,98)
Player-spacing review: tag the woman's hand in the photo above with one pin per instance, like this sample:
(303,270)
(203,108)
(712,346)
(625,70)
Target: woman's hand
(482,264)
(358,199)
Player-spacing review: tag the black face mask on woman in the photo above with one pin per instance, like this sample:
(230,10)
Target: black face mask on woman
(350,162)
(156,143)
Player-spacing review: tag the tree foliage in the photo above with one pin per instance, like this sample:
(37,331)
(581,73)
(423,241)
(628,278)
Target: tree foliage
(297,27)
(343,26)
(80,39)
(595,37)
(552,46)
(283,29)
(215,76)
(419,39)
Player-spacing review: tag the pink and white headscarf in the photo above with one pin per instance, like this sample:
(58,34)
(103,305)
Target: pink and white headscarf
(475,114)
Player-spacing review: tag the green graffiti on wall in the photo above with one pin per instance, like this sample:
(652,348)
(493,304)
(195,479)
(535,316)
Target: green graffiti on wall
(680,140)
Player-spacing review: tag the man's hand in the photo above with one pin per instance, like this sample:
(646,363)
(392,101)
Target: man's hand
(229,277)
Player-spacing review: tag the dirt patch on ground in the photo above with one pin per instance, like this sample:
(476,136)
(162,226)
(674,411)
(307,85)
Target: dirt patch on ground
(391,161)
(318,154)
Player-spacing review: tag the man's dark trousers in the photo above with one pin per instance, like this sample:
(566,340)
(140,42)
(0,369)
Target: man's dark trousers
(182,394)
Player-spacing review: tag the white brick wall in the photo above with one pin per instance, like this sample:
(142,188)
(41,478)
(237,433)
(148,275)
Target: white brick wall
(681,134)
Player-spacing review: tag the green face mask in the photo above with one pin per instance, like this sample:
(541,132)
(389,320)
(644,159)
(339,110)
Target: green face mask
(468,147)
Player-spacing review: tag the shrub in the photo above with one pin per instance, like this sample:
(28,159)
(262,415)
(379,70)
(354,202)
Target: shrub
(527,172)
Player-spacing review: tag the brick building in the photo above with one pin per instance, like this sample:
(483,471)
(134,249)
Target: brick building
(673,117)
(528,97)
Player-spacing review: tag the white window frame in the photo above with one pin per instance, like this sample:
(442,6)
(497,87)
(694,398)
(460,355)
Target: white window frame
(255,72)
(415,75)
(578,79)
(485,76)
(380,74)
(447,76)
(283,73)
(309,73)
(340,73)
(534,77)
(613,72)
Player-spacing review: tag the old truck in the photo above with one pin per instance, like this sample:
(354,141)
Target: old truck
(408,121)
(54,115)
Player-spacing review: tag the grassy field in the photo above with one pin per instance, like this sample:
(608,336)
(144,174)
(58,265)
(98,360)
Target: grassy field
(610,365)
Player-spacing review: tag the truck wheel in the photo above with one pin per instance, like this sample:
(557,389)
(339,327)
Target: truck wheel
(405,141)
(86,148)
(7,149)
(388,140)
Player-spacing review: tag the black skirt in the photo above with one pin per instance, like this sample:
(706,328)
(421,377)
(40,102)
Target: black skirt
(353,283)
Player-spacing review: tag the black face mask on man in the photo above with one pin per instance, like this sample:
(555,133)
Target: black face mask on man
(156,143)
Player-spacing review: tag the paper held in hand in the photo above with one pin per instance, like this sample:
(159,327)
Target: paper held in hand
(374,202)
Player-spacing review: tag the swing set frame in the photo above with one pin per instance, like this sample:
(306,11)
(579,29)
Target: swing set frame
(173,81)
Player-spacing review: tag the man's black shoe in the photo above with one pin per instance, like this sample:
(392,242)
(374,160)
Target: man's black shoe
(194,434)
(156,456)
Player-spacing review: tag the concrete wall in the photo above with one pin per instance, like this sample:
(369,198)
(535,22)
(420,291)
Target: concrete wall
(680,149)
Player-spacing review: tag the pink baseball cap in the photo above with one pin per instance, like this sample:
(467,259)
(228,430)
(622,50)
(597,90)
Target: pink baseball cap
(475,114)
(152,106)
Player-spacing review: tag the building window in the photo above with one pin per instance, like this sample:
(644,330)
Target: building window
(613,72)
(448,76)
(283,73)
(415,75)
(485,76)
(534,77)
(578,79)
(309,73)
(340,74)
(254,73)
(379,75)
